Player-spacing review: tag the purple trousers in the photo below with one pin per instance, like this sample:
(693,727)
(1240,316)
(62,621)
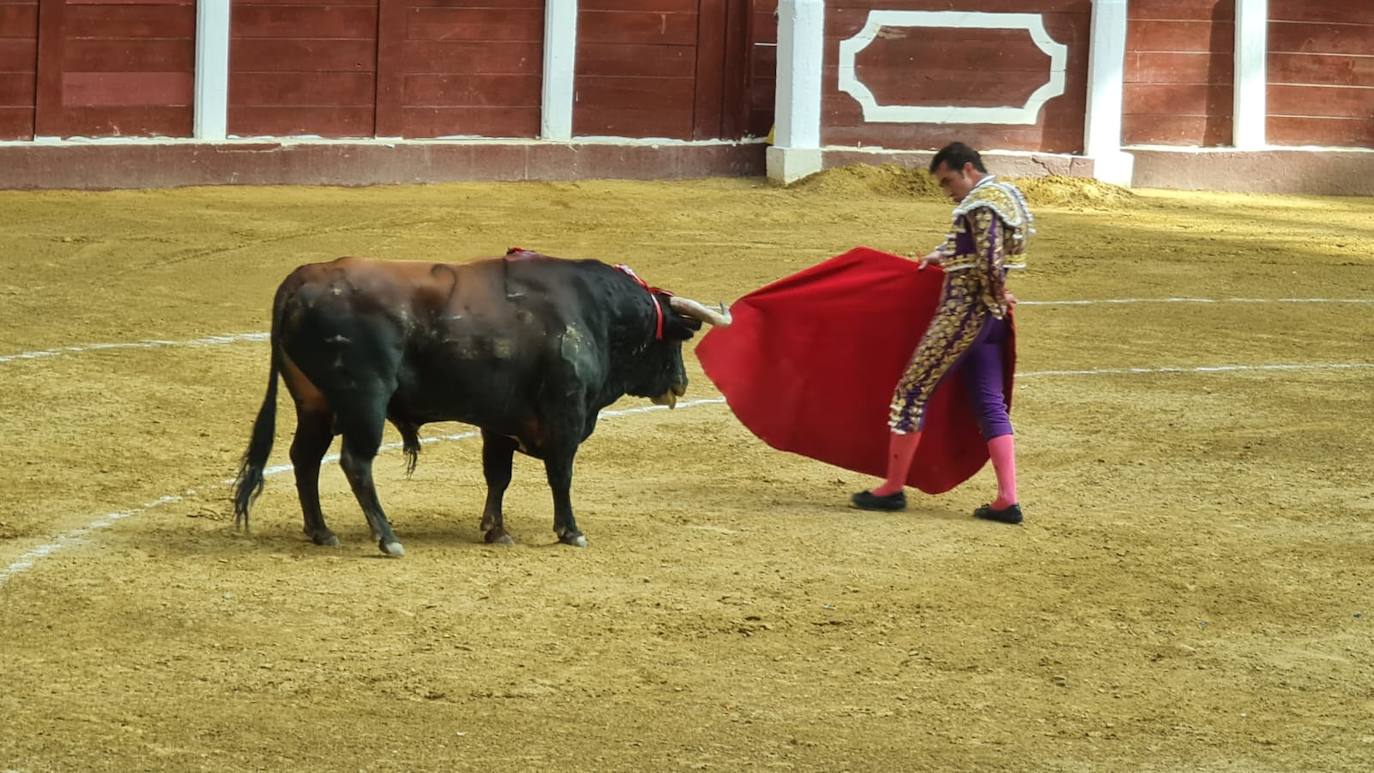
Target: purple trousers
(982,366)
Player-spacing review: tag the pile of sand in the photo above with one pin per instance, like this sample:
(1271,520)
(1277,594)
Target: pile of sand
(887,180)
(1073,193)
(894,181)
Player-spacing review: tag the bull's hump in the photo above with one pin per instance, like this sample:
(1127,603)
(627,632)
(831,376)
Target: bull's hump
(371,276)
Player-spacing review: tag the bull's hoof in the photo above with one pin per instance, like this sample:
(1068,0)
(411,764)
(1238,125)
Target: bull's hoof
(574,538)
(498,537)
(325,538)
(392,549)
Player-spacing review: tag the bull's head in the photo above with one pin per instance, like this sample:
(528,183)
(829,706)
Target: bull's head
(666,377)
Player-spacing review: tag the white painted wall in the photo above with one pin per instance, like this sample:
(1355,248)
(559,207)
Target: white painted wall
(560,54)
(1106,93)
(797,115)
(943,21)
(1251,84)
(211,110)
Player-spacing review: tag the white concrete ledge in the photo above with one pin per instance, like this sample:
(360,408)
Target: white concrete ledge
(787,165)
(168,164)
(1012,163)
(1297,170)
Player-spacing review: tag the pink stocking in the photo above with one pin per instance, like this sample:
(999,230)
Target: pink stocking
(901,448)
(1002,449)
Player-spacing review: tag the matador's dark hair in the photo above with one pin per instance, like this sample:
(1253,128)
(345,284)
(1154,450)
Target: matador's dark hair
(955,155)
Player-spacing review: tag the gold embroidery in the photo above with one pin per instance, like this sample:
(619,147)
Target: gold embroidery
(1009,204)
(994,219)
(988,236)
(957,323)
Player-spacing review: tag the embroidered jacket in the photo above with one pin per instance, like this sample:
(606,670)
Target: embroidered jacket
(991,228)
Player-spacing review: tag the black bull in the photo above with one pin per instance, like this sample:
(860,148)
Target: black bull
(527,347)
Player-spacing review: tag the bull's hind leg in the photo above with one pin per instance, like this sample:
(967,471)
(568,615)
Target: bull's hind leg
(498,452)
(362,436)
(558,465)
(313,436)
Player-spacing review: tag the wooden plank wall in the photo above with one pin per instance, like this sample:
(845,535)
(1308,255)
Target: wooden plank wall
(472,67)
(663,68)
(723,111)
(298,67)
(115,68)
(1321,73)
(957,67)
(692,69)
(18,67)
(762,64)
(636,68)
(1179,72)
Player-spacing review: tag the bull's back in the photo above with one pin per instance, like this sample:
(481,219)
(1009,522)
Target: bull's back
(441,341)
(344,326)
(363,283)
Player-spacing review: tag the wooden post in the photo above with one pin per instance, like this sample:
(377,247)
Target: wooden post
(560,61)
(1106,87)
(1251,108)
(796,150)
(211,116)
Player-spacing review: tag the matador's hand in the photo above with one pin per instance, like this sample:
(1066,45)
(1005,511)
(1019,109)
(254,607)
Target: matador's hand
(933,258)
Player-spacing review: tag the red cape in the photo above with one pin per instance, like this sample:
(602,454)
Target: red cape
(811,361)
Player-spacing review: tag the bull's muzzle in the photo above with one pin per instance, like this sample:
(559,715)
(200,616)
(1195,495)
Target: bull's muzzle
(670,397)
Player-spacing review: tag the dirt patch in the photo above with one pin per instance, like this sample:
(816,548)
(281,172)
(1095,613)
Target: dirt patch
(1189,592)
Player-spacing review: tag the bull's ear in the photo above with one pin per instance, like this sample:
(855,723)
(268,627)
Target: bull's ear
(679,328)
(676,327)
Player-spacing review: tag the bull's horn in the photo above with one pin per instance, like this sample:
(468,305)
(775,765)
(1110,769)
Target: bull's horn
(690,308)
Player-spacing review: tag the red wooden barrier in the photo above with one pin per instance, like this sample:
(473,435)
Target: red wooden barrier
(681,69)
(761,62)
(1321,73)
(1179,72)
(637,67)
(303,68)
(115,68)
(460,68)
(18,67)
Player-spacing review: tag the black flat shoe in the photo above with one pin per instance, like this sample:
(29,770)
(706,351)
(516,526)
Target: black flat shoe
(1010,514)
(867,500)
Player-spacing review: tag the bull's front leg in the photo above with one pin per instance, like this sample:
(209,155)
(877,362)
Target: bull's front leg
(558,464)
(498,452)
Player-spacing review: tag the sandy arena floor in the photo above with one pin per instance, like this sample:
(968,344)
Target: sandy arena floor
(1191,591)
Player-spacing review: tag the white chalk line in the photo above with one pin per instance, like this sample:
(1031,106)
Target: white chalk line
(1185,299)
(152,343)
(26,561)
(77,536)
(234,338)
(1201,369)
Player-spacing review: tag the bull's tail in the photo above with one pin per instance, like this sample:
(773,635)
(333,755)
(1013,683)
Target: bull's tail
(249,483)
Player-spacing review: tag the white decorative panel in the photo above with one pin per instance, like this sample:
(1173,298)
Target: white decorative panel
(1028,113)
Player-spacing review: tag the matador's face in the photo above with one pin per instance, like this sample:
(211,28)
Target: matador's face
(956,183)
